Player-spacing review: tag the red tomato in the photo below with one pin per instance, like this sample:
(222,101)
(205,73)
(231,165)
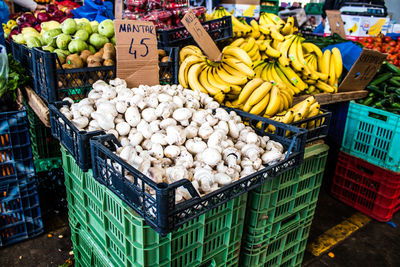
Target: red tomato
(370,46)
(388,39)
(392,43)
(398,39)
(370,40)
(378,39)
(396,62)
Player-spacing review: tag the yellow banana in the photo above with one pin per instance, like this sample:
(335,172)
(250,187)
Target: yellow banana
(312,48)
(287,95)
(259,93)
(324,87)
(239,66)
(294,57)
(258,70)
(293,77)
(337,58)
(283,49)
(260,106)
(193,77)
(238,42)
(248,89)
(184,69)
(287,28)
(285,80)
(270,51)
(238,53)
(253,52)
(261,45)
(251,42)
(254,24)
(332,74)
(324,62)
(275,34)
(215,80)
(265,73)
(274,103)
(230,79)
(203,79)
(189,50)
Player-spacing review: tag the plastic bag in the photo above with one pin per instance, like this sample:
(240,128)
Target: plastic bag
(95,10)
(3,70)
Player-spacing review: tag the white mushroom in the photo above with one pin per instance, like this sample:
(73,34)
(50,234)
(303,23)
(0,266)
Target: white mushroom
(144,128)
(132,116)
(123,128)
(149,115)
(175,135)
(205,131)
(210,156)
(172,151)
(182,115)
(80,122)
(195,145)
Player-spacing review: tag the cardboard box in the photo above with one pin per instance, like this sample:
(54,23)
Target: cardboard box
(361,26)
(243,8)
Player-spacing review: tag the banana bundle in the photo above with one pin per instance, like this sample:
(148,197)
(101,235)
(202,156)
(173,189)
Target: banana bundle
(260,97)
(307,108)
(218,79)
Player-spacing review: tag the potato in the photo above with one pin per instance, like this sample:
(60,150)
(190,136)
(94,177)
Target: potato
(161,53)
(165,59)
(108,62)
(109,51)
(85,54)
(94,61)
(75,61)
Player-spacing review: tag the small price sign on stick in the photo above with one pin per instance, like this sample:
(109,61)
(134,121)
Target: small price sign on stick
(200,35)
(137,56)
(336,22)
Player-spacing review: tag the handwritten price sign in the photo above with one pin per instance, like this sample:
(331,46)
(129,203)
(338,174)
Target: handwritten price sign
(137,56)
(202,38)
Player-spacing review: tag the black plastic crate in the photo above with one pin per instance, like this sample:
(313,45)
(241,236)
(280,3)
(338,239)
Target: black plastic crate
(23,55)
(338,121)
(161,212)
(168,73)
(55,83)
(218,29)
(15,146)
(318,132)
(75,141)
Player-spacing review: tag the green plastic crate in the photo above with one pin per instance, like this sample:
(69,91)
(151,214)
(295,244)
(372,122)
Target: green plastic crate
(285,250)
(42,165)
(283,203)
(122,235)
(44,145)
(269,8)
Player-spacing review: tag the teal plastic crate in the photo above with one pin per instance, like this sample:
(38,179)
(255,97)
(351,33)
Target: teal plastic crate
(373,135)
(269,6)
(285,202)
(285,250)
(122,235)
(43,165)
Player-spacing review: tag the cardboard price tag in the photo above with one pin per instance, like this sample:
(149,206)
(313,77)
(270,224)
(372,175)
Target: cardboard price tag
(363,70)
(336,22)
(137,56)
(200,35)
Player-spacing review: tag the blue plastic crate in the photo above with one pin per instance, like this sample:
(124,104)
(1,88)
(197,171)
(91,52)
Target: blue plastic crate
(338,121)
(373,135)
(20,216)
(15,146)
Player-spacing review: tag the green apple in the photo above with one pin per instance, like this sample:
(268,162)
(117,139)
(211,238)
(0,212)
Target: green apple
(85,26)
(106,28)
(69,26)
(49,37)
(61,53)
(48,48)
(77,46)
(95,26)
(113,40)
(98,40)
(33,42)
(63,40)
(82,35)
(81,20)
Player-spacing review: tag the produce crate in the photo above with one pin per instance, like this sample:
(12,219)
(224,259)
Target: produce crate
(15,146)
(321,124)
(370,189)
(286,250)
(44,145)
(54,83)
(124,238)
(75,141)
(285,202)
(44,165)
(161,212)
(19,208)
(269,6)
(23,55)
(374,135)
(218,29)
(338,121)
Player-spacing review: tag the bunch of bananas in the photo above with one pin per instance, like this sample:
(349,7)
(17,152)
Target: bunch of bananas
(261,97)
(307,108)
(218,79)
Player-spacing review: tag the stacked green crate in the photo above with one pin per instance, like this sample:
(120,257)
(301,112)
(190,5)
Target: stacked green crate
(281,210)
(104,222)
(270,6)
(44,145)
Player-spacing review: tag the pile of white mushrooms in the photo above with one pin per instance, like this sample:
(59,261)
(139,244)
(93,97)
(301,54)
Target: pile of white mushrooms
(170,133)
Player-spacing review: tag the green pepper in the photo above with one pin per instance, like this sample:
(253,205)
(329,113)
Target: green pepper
(381,78)
(395,105)
(391,67)
(375,89)
(368,101)
(394,82)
